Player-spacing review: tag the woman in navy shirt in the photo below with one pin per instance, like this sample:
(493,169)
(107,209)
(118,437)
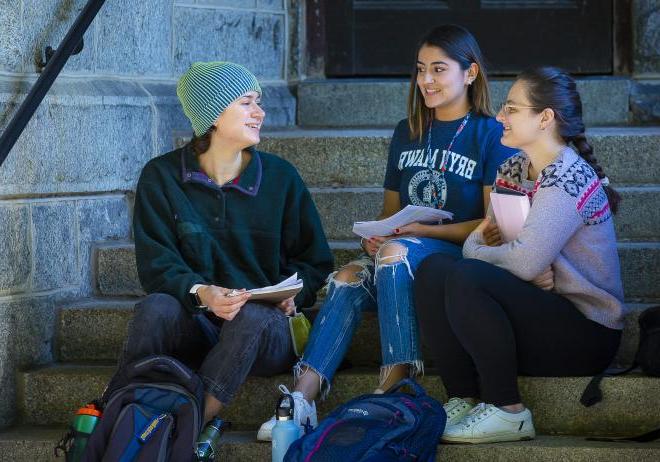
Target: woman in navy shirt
(444,155)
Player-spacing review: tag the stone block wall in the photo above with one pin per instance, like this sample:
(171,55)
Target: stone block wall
(645,96)
(66,184)
(45,259)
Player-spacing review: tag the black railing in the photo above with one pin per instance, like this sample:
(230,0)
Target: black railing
(54,65)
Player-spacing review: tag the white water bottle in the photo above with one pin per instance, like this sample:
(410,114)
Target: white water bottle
(285,431)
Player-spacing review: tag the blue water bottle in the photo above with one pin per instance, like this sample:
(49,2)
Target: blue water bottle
(286,431)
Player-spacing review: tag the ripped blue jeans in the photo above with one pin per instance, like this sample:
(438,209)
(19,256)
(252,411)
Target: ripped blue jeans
(385,285)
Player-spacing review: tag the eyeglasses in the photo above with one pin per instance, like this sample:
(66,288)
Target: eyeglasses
(506,108)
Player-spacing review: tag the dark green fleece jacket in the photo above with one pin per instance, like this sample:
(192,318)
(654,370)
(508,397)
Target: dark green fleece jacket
(252,232)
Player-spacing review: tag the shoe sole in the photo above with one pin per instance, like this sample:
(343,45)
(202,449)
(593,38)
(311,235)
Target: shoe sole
(487,439)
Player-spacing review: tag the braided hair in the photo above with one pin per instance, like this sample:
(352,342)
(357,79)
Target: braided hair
(553,88)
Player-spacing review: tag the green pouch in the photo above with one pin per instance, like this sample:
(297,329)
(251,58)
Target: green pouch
(299,326)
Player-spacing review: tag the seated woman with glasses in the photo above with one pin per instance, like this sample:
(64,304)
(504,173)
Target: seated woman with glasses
(550,302)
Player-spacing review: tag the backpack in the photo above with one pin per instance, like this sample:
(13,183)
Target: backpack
(647,359)
(155,416)
(394,426)
(648,353)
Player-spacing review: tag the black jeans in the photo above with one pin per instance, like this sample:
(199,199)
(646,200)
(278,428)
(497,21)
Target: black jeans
(484,326)
(256,342)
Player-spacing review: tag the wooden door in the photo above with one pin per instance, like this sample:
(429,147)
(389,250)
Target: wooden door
(378,37)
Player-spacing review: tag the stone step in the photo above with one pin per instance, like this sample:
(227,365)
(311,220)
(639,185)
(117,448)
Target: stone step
(383,102)
(95,329)
(358,157)
(49,396)
(640,268)
(35,444)
(339,208)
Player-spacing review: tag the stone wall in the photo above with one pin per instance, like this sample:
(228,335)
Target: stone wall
(645,96)
(66,183)
(646,37)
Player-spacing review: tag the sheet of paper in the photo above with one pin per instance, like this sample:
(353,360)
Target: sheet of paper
(510,213)
(409,214)
(277,295)
(289,283)
(274,294)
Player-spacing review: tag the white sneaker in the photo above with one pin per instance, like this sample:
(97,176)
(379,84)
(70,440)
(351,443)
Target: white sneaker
(489,424)
(302,410)
(456,409)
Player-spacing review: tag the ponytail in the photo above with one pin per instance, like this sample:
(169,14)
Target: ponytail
(587,153)
(550,87)
(201,144)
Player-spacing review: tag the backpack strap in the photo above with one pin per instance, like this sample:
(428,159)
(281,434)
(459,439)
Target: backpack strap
(643,438)
(65,443)
(161,368)
(417,388)
(592,393)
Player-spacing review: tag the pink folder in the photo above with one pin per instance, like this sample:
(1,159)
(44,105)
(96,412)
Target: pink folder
(510,212)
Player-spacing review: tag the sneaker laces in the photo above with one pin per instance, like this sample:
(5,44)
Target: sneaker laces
(478,412)
(454,405)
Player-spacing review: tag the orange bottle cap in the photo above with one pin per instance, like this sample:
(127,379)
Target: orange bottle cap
(89,409)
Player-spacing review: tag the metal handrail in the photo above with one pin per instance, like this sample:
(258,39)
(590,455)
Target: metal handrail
(47,77)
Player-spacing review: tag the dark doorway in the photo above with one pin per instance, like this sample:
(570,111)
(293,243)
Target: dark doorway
(378,37)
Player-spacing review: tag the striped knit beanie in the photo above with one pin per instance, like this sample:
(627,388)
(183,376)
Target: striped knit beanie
(206,89)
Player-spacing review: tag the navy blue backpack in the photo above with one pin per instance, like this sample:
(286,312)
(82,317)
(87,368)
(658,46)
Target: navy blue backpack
(394,426)
(154,414)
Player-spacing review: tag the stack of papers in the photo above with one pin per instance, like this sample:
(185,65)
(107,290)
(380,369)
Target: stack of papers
(275,294)
(409,214)
(511,211)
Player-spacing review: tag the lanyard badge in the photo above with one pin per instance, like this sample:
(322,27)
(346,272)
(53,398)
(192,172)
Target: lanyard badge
(434,193)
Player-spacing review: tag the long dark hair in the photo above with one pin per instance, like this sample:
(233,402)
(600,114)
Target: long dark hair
(461,46)
(553,88)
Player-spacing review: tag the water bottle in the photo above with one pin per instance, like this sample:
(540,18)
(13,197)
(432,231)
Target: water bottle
(285,431)
(207,444)
(84,422)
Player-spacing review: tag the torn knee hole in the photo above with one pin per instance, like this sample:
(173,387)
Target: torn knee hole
(390,254)
(349,275)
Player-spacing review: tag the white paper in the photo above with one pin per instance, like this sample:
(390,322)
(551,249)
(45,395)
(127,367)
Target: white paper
(510,213)
(409,214)
(288,288)
(291,283)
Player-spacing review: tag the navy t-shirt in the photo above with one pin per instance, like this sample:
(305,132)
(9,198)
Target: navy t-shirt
(471,165)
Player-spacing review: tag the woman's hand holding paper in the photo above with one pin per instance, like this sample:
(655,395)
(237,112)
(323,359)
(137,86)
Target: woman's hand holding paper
(221,303)
(412,229)
(371,245)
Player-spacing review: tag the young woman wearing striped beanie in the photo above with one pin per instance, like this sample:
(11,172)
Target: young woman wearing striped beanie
(212,219)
